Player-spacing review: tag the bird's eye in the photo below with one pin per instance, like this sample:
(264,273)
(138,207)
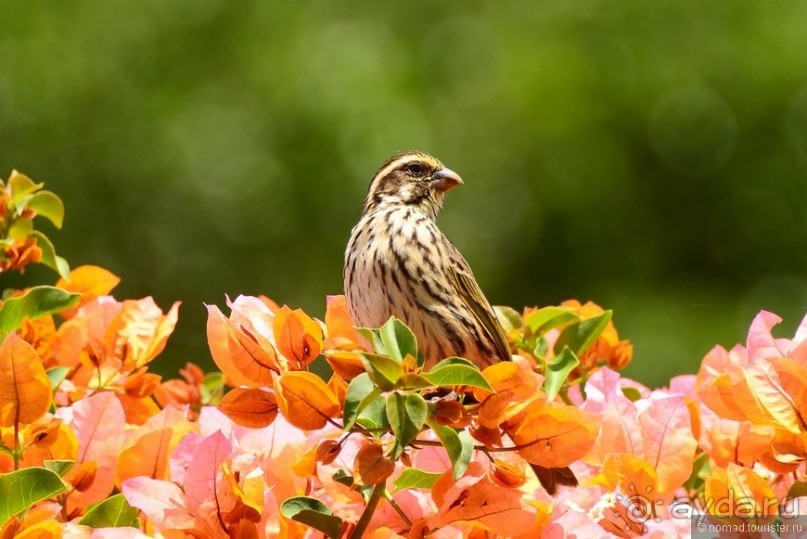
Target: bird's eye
(415,169)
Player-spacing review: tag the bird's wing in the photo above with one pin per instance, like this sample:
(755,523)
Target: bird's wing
(473,298)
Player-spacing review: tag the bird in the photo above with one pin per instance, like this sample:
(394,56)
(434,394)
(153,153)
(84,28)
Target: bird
(399,263)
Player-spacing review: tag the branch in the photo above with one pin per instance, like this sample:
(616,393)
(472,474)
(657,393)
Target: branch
(369,509)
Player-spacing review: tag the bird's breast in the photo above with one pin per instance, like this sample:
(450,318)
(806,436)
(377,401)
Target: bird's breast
(389,257)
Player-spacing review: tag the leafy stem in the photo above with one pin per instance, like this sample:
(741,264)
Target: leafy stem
(369,509)
(485,449)
(397,508)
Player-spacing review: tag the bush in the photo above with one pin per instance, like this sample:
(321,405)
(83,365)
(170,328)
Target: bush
(94,445)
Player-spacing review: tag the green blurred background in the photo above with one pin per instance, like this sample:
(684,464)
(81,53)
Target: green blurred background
(650,156)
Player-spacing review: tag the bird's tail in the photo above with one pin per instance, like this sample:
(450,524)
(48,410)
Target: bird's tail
(552,478)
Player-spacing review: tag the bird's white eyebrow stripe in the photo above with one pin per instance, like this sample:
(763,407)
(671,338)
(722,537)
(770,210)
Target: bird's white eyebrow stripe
(397,163)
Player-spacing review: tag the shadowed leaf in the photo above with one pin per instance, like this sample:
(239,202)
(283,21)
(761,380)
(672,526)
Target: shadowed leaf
(399,341)
(383,371)
(407,415)
(358,394)
(458,444)
(313,513)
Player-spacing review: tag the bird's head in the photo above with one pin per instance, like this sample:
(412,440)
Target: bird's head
(411,179)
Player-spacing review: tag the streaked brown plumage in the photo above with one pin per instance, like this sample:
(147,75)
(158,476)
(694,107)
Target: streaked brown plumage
(398,263)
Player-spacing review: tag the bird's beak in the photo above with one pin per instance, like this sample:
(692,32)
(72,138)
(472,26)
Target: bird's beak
(445,179)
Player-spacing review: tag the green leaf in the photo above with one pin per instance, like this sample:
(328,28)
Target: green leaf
(374,414)
(341,476)
(557,372)
(359,392)
(797,490)
(452,361)
(21,489)
(56,375)
(113,512)
(541,347)
(383,371)
(458,444)
(701,471)
(48,205)
(312,513)
(457,375)
(415,478)
(212,388)
(22,186)
(406,415)
(49,257)
(20,228)
(580,336)
(631,393)
(374,336)
(37,301)
(61,467)
(62,267)
(543,320)
(509,318)
(399,341)
(410,380)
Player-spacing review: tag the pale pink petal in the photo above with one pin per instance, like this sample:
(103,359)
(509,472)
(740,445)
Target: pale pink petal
(200,478)
(255,315)
(761,343)
(669,446)
(683,385)
(600,387)
(770,397)
(573,524)
(73,530)
(117,533)
(474,474)
(432,459)
(415,504)
(620,431)
(99,424)
(715,362)
(801,332)
(183,456)
(162,502)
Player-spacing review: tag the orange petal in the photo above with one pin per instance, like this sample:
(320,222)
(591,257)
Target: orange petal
(371,466)
(338,322)
(304,400)
(556,437)
(348,365)
(298,337)
(254,408)
(25,391)
(239,356)
(508,474)
(139,332)
(90,282)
